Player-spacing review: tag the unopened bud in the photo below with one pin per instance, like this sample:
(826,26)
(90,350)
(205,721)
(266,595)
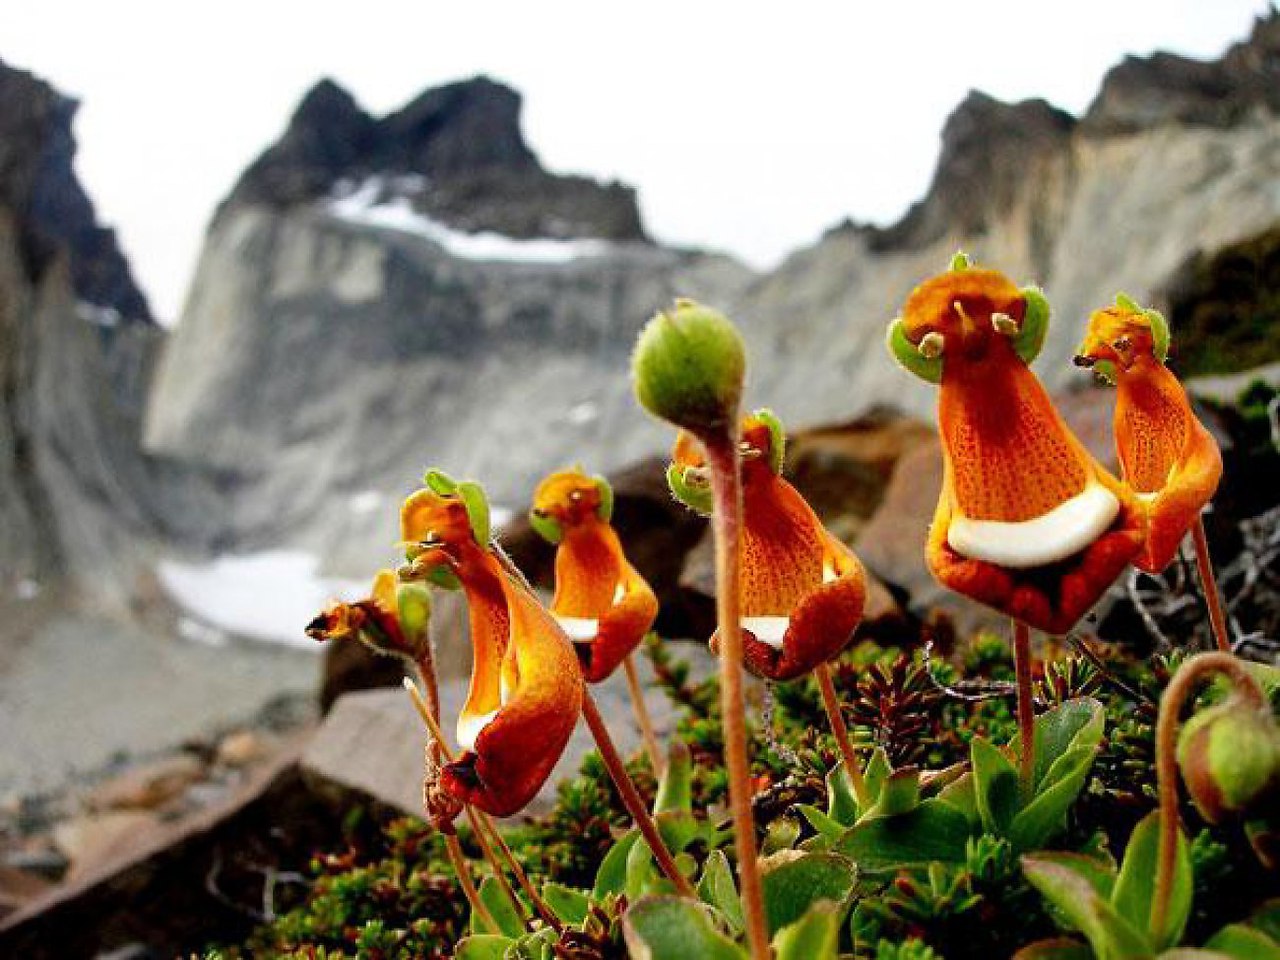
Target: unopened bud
(688,367)
(1230,759)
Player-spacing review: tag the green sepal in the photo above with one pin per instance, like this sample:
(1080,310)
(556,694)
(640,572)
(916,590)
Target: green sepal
(1105,370)
(604,510)
(1159,325)
(959,261)
(548,529)
(443,577)
(698,499)
(1035,325)
(472,496)
(777,438)
(438,481)
(909,357)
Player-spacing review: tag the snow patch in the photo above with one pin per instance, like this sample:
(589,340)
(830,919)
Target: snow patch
(370,205)
(269,596)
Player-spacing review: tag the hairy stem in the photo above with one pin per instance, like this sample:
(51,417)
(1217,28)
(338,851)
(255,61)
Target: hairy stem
(631,797)
(645,722)
(1212,599)
(832,703)
(726,489)
(1175,694)
(459,862)
(1026,710)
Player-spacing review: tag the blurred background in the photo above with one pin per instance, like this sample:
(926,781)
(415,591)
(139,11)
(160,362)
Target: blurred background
(261,265)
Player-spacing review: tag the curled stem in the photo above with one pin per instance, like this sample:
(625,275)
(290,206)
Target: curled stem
(1026,710)
(631,797)
(726,489)
(1175,694)
(832,703)
(642,715)
(1212,599)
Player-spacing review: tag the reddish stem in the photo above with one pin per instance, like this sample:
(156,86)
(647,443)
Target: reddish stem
(832,703)
(726,489)
(1212,599)
(1175,694)
(1026,710)
(645,722)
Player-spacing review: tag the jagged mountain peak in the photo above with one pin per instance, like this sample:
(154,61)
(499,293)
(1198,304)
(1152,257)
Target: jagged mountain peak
(455,151)
(39,185)
(1144,92)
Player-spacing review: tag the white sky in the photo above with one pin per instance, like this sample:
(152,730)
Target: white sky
(746,127)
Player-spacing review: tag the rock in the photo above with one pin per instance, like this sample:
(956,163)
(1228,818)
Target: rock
(91,840)
(186,884)
(19,887)
(1143,92)
(147,786)
(373,742)
(242,748)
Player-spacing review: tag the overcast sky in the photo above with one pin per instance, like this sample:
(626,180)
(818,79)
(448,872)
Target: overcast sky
(746,127)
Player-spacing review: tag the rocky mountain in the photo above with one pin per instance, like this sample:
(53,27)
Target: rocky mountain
(76,344)
(1173,158)
(384,293)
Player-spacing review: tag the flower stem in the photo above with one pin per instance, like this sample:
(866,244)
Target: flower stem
(1212,599)
(1175,694)
(522,878)
(642,715)
(631,797)
(1026,710)
(832,703)
(726,489)
(459,862)
(476,817)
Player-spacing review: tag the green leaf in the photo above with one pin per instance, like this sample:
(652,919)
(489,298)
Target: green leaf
(995,786)
(612,875)
(1100,874)
(675,789)
(1135,886)
(842,805)
(1059,948)
(717,888)
(813,937)
(678,829)
(1267,919)
(1035,325)
(1074,896)
(1244,942)
(932,831)
(961,794)
(877,772)
(568,904)
(899,794)
(1074,723)
(510,923)
(482,946)
(672,928)
(1046,815)
(909,356)
(828,830)
(793,880)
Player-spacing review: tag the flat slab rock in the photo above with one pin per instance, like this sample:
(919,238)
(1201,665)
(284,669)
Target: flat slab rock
(373,741)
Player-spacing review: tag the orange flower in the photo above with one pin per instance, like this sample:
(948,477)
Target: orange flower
(601,601)
(802,589)
(1166,454)
(1027,521)
(392,620)
(526,686)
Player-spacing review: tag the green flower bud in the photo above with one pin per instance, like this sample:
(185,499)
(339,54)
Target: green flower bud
(688,368)
(1230,759)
